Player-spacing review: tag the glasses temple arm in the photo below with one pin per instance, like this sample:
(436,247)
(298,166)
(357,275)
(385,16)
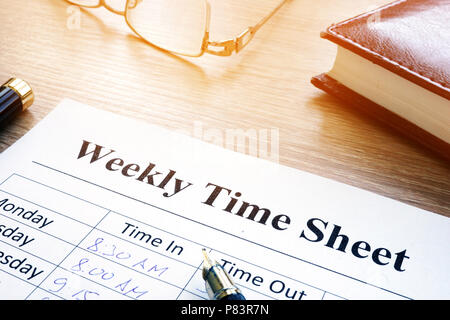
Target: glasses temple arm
(270,15)
(226,47)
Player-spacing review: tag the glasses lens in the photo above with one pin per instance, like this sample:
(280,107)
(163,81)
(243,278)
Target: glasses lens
(86,3)
(116,5)
(175,25)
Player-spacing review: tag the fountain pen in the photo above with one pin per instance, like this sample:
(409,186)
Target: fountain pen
(218,283)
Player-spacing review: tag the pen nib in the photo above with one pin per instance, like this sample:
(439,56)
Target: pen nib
(207,262)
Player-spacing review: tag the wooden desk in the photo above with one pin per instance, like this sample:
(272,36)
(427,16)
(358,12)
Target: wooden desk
(265,86)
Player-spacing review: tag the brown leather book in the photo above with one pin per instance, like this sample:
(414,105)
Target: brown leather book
(394,64)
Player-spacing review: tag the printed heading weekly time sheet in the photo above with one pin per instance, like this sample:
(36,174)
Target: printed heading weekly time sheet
(98,206)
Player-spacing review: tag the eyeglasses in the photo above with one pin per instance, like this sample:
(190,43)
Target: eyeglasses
(177,26)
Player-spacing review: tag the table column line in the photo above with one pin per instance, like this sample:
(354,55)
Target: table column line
(71,251)
(192,276)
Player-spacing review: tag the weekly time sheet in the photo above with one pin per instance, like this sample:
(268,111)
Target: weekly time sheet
(97,206)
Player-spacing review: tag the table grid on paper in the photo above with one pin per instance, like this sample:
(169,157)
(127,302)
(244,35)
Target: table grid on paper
(63,247)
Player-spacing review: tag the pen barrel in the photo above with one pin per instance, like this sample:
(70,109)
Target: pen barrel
(233,297)
(10,104)
(219,285)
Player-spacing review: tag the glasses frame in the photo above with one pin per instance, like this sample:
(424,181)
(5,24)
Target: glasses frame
(222,48)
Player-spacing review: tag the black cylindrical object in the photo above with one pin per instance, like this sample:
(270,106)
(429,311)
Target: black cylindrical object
(15,96)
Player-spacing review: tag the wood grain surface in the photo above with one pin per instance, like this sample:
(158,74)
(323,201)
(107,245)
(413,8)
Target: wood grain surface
(266,86)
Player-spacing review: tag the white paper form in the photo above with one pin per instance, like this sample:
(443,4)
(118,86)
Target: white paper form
(97,206)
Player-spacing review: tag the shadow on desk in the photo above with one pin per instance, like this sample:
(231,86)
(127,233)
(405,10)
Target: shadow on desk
(389,163)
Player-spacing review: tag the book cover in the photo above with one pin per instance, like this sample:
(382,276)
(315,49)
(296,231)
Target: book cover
(394,64)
